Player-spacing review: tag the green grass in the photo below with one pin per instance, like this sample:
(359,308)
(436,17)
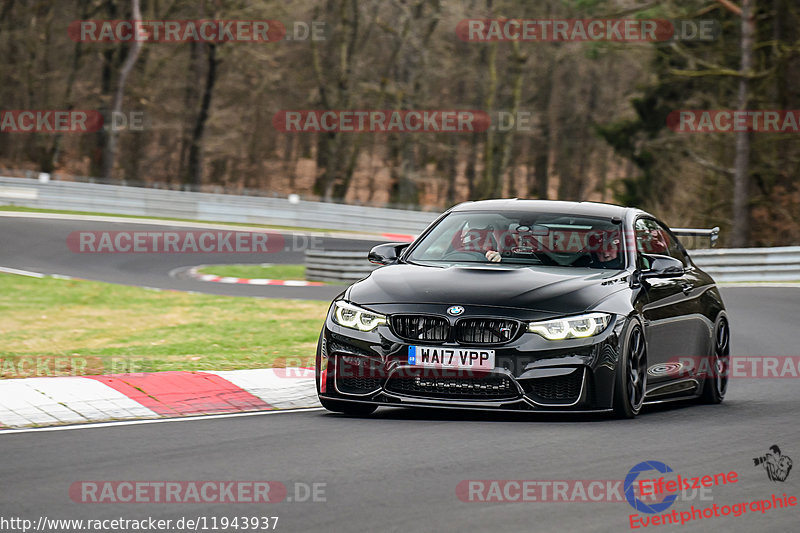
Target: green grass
(14,208)
(101,328)
(285,272)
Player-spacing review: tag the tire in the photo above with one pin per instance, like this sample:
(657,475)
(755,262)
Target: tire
(348,408)
(631,376)
(715,386)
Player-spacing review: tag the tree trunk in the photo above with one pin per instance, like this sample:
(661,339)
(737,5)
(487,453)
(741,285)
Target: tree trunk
(741,167)
(55,151)
(506,139)
(487,183)
(335,92)
(190,99)
(106,76)
(196,149)
(110,149)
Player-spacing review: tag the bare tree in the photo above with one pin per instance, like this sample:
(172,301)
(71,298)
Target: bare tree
(195,166)
(741,165)
(110,149)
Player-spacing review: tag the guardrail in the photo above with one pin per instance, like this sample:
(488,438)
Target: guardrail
(724,265)
(140,201)
(750,264)
(329,265)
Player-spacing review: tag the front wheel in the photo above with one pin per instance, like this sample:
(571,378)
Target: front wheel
(716,384)
(348,408)
(631,376)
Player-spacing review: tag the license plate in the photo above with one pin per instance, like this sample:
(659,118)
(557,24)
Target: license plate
(442,357)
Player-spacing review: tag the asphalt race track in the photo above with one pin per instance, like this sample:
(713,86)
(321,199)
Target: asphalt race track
(398,470)
(40,245)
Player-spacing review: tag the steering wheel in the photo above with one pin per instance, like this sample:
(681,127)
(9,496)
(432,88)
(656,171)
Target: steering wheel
(465,255)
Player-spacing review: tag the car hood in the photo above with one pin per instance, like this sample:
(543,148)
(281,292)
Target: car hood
(559,290)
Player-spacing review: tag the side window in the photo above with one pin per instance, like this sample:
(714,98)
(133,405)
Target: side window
(653,238)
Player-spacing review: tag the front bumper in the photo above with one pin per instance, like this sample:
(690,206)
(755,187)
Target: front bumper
(530,373)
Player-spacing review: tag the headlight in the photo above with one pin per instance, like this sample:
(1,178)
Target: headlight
(351,316)
(576,327)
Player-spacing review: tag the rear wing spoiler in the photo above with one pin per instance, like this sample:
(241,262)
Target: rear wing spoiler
(712,234)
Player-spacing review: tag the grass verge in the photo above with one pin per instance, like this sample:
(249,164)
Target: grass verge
(88,327)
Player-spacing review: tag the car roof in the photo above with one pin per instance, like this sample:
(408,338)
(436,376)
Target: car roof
(547,206)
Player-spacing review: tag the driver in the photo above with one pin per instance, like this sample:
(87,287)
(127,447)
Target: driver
(607,256)
(606,251)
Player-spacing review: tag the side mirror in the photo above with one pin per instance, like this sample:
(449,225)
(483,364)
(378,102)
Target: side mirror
(662,266)
(386,254)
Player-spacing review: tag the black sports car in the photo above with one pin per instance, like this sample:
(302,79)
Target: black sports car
(527,305)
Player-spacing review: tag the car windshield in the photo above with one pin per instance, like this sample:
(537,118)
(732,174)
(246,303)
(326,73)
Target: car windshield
(523,238)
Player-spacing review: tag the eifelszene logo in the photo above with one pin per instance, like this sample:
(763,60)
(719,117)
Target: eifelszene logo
(777,466)
(630,495)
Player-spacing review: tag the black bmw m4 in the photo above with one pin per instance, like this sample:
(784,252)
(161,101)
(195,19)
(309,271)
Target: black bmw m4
(528,305)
